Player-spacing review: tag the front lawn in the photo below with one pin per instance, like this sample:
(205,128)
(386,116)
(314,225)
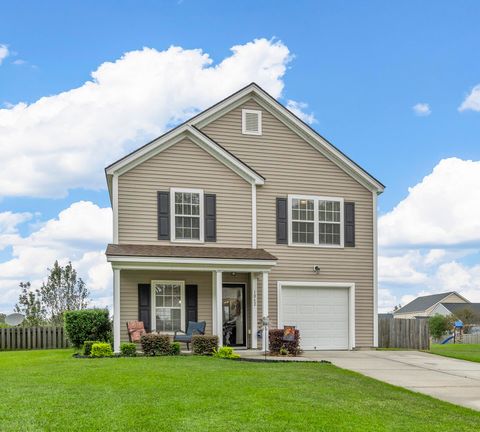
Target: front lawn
(469,352)
(51,391)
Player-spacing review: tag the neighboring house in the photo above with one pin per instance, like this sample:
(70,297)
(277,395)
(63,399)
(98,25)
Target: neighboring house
(446,309)
(426,305)
(244,212)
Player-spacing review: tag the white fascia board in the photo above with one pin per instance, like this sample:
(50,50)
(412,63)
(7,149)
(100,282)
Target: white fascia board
(199,139)
(321,145)
(280,112)
(198,261)
(226,158)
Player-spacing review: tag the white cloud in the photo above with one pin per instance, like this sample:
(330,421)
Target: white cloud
(401,269)
(472,101)
(3,52)
(75,134)
(298,109)
(79,234)
(438,212)
(422,109)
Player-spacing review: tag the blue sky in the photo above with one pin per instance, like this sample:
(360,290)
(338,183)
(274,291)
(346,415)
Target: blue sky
(360,66)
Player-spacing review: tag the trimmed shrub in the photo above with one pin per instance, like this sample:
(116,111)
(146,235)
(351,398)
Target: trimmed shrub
(101,349)
(128,349)
(87,325)
(87,347)
(204,345)
(278,346)
(175,348)
(154,344)
(226,353)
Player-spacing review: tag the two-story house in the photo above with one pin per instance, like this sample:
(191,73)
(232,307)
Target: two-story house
(244,212)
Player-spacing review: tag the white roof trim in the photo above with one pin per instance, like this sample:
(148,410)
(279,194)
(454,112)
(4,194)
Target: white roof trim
(173,137)
(291,121)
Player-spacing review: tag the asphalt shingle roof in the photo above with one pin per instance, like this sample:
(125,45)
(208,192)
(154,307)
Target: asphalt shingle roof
(455,307)
(423,303)
(187,252)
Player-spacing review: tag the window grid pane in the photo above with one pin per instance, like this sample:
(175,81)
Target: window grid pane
(187,215)
(168,307)
(304,219)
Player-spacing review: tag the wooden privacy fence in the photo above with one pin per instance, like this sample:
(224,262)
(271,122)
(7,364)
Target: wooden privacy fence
(471,338)
(403,333)
(20,338)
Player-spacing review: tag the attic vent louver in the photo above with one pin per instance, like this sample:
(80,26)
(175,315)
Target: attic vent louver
(251,122)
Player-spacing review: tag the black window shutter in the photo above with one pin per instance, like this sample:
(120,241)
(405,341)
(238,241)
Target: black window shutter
(210,217)
(163,204)
(144,306)
(191,304)
(349,222)
(282,221)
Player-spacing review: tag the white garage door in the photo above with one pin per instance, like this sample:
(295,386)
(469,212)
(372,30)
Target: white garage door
(321,315)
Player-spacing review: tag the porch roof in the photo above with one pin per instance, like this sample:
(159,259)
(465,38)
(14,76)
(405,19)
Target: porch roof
(205,252)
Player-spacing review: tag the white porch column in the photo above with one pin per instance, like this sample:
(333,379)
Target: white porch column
(253,309)
(218,306)
(116,310)
(265,308)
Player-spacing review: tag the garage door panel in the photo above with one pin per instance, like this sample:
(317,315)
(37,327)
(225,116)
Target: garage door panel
(320,313)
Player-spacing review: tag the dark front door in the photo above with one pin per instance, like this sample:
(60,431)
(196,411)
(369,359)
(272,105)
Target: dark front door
(234,318)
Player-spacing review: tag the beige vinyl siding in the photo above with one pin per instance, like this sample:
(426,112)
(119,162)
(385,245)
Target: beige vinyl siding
(454,298)
(183,165)
(292,166)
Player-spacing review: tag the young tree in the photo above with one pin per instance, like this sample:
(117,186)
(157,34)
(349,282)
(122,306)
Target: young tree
(439,325)
(30,305)
(63,292)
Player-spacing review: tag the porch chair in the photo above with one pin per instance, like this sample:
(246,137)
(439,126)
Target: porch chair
(193,328)
(136,329)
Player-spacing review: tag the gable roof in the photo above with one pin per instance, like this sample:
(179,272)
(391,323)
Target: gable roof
(421,304)
(267,102)
(171,138)
(455,307)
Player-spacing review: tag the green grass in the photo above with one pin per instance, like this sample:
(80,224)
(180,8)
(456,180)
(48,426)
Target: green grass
(51,391)
(469,352)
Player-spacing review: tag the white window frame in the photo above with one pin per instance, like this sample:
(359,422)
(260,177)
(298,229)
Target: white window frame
(172,215)
(244,114)
(154,302)
(316,221)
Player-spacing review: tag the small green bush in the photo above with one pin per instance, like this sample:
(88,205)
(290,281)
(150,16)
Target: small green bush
(154,344)
(101,349)
(87,347)
(175,348)
(204,345)
(87,325)
(128,349)
(278,346)
(439,325)
(226,353)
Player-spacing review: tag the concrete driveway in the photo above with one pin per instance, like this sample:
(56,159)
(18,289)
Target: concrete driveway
(455,381)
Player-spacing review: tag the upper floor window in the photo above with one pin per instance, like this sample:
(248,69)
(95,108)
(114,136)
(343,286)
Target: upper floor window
(251,122)
(187,214)
(315,221)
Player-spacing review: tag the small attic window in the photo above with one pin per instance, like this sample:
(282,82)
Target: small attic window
(251,122)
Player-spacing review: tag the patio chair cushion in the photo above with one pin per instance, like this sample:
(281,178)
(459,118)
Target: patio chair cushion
(183,338)
(196,327)
(136,330)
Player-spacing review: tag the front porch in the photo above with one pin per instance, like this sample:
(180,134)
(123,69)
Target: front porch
(167,286)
